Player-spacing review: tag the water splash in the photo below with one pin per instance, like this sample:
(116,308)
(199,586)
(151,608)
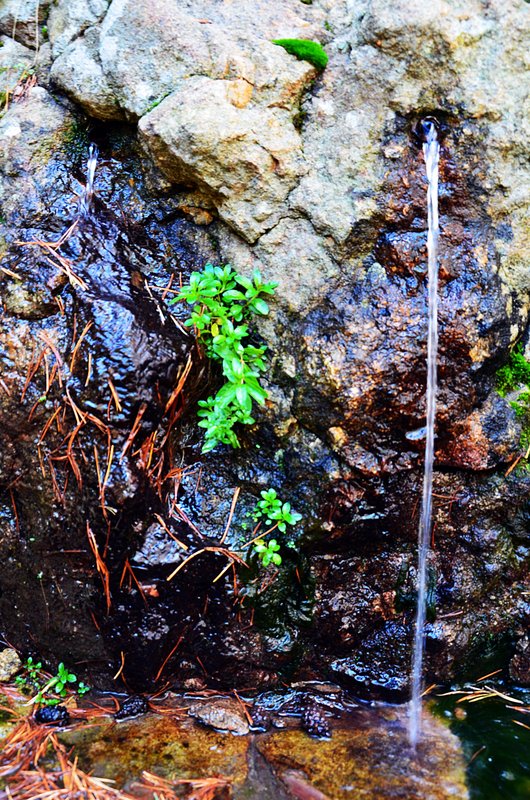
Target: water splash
(431,152)
(87,196)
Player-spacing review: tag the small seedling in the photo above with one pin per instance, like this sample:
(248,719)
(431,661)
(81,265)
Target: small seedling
(272,508)
(48,691)
(222,301)
(61,680)
(32,671)
(267,552)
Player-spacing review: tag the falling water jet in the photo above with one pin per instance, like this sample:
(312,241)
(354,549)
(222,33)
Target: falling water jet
(428,133)
(87,195)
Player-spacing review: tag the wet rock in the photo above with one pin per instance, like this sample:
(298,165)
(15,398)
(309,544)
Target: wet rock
(223,715)
(261,718)
(380,666)
(170,746)
(52,715)
(127,345)
(314,721)
(336,215)
(377,754)
(132,707)
(312,703)
(488,437)
(158,549)
(39,118)
(520,663)
(10,663)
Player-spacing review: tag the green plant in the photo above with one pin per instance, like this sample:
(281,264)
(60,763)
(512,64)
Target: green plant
(32,670)
(46,690)
(222,302)
(279,515)
(515,373)
(267,552)
(514,376)
(272,508)
(306,50)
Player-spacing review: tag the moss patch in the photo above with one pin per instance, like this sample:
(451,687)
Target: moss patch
(514,379)
(305,50)
(515,373)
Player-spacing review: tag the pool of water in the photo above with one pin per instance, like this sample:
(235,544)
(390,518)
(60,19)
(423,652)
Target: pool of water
(496,747)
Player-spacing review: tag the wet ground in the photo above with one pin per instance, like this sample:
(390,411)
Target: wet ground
(366,756)
(311,741)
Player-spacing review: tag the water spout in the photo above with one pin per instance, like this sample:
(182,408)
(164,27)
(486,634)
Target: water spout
(87,195)
(431,150)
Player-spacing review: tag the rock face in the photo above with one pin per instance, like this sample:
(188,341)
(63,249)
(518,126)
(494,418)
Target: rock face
(10,664)
(15,62)
(223,105)
(520,663)
(317,180)
(23,20)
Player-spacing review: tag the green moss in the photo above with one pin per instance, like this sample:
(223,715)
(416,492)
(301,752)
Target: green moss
(156,102)
(305,50)
(514,378)
(75,139)
(514,374)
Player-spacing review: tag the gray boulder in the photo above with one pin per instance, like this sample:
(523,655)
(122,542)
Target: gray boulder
(23,19)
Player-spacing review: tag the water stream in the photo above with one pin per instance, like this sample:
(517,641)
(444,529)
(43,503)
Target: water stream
(431,152)
(86,197)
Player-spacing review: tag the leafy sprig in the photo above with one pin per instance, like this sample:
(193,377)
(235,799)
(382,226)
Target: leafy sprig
(222,302)
(278,514)
(268,552)
(46,690)
(271,507)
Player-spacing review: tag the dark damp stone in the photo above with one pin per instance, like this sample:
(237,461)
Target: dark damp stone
(314,722)
(52,715)
(423,128)
(132,707)
(261,719)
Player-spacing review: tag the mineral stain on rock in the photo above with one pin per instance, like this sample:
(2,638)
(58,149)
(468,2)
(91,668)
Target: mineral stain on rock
(368,756)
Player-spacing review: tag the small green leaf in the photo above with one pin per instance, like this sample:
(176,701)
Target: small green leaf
(260,306)
(244,282)
(233,294)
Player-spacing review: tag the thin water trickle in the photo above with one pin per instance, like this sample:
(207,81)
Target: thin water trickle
(431,152)
(87,195)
